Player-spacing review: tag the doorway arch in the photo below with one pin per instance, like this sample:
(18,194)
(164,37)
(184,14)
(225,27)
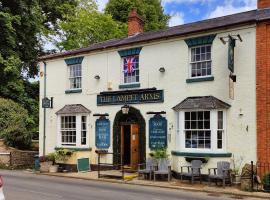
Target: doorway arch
(134,116)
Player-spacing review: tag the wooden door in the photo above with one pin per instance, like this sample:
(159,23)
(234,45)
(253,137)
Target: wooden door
(134,145)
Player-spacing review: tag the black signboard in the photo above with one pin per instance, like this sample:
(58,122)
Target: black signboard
(231,54)
(130,97)
(46,103)
(157,132)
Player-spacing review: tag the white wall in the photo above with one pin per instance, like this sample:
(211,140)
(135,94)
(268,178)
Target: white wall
(173,56)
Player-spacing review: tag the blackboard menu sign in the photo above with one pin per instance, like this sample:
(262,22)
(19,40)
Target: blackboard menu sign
(157,132)
(102,133)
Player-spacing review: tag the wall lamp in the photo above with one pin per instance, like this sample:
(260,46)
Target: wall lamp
(162,69)
(97,77)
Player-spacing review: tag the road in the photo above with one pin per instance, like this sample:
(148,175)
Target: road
(19,185)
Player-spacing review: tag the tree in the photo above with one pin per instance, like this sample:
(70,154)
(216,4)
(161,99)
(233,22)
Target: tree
(151,11)
(86,25)
(14,120)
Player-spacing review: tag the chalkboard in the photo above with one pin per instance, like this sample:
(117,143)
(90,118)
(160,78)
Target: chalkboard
(157,132)
(83,165)
(102,133)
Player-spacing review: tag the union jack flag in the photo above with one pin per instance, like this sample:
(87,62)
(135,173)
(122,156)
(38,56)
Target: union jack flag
(129,65)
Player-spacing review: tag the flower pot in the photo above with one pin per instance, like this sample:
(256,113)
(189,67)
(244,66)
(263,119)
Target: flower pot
(45,166)
(237,179)
(53,168)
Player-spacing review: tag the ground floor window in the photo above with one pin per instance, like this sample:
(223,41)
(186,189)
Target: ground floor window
(73,130)
(201,130)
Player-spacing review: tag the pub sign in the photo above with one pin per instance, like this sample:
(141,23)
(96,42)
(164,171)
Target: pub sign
(157,132)
(102,133)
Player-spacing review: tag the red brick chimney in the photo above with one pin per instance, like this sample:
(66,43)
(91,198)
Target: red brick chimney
(263,4)
(135,23)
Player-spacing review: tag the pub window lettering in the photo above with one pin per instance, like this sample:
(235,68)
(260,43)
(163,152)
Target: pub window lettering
(131,69)
(200,61)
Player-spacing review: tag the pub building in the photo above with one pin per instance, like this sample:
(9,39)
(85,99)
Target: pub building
(199,89)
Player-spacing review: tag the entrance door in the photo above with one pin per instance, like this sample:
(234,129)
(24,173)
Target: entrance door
(134,161)
(130,145)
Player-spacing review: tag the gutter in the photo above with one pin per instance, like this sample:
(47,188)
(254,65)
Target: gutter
(44,111)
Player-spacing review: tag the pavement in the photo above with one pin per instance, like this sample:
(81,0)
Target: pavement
(24,185)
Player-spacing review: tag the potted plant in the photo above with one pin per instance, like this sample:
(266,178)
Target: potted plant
(53,168)
(45,163)
(159,154)
(266,182)
(237,163)
(62,155)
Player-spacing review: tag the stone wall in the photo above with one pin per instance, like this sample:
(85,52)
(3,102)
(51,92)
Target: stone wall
(14,157)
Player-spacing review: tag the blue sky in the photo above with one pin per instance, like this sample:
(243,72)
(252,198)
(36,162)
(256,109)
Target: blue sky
(186,11)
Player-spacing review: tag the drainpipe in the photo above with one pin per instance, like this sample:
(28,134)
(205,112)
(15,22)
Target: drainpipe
(44,111)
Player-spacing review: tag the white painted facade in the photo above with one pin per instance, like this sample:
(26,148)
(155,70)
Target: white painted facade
(174,56)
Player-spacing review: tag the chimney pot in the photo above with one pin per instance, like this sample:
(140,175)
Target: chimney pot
(263,4)
(135,23)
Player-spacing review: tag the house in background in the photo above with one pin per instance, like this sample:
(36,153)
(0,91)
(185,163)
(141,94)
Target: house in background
(199,90)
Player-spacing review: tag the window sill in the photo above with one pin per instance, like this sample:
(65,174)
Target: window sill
(194,80)
(132,85)
(74,148)
(73,91)
(202,155)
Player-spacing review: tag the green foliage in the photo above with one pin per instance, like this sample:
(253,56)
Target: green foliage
(151,11)
(87,26)
(13,122)
(62,154)
(266,182)
(159,153)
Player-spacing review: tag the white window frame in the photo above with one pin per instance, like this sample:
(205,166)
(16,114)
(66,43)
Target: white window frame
(190,62)
(74,77)
(123,73)
(180,133)
(78,131)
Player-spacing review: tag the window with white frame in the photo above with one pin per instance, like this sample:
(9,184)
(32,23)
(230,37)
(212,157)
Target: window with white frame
(75,76)
(130,69)
(197,130)
(73,130)
(200,61)
(201,130)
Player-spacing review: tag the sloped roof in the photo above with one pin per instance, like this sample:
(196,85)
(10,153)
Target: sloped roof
(201,102)
(182,30)
(73,109)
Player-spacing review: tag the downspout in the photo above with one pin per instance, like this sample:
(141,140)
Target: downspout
(44,111)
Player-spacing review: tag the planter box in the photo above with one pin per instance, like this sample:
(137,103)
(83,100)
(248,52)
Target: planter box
(45,166)
(53,168)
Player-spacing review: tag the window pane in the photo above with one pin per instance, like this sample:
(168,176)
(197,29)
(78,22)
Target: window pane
(68,130)
(131,69)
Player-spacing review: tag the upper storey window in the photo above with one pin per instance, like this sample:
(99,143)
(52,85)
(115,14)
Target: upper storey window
(74,75)
(131,69)
(200,61)
(130,73)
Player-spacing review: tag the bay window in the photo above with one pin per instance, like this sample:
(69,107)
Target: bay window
(73,131)
(201,130)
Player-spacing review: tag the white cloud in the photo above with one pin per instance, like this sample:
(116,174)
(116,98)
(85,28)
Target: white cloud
(176,19)
(102,4)
(164,2)
(229,8)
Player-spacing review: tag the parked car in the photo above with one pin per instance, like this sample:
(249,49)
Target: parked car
(2,197)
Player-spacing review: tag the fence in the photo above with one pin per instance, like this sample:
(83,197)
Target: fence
(258,170)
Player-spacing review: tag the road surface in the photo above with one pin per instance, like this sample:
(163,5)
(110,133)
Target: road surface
(19,185)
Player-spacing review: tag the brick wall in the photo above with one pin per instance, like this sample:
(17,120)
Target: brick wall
(263,90)
(263,4)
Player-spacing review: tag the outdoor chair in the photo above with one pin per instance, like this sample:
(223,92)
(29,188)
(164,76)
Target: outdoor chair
(222,172)
(163,167)
(146,168)
(193,171)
